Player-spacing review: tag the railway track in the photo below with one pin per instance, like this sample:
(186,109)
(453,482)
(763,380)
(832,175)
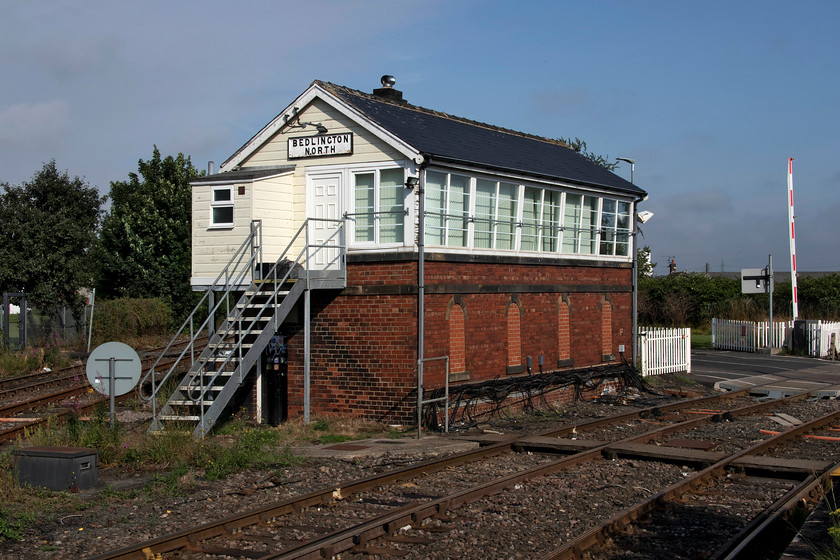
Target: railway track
(568,492)
(28,401)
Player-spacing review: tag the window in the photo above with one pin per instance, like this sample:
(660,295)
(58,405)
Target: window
(540,220)
(615,228)
(379,210)
(580,220)
(447,209)
(481,213)
(221,207)
(495,215)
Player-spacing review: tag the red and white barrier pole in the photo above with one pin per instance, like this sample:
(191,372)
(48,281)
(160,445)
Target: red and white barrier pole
(792,234)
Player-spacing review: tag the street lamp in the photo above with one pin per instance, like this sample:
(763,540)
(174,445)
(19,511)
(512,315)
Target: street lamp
(632,163)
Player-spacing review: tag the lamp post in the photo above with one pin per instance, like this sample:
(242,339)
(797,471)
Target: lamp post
(637,217)
(632,163)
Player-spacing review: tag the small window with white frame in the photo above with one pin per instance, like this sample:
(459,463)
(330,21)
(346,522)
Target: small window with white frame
(221,207)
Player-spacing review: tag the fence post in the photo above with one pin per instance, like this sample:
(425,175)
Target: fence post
(687,350)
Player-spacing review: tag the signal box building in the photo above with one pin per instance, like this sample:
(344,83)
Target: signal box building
(412,236)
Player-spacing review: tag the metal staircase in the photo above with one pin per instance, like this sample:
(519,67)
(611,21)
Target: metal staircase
(235,347)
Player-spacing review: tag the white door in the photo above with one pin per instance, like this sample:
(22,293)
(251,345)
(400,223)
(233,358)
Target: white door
(324,237)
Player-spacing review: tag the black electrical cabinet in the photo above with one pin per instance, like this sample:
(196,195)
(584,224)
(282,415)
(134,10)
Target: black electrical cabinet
(275,374)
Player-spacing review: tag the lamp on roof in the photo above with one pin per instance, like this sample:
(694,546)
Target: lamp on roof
(318,126)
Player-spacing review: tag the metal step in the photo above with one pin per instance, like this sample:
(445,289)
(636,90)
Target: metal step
(176,418)
(184,388)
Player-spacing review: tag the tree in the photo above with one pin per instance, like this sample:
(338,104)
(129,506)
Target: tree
(644,266)
(580,147)
(47,227)
(144,248)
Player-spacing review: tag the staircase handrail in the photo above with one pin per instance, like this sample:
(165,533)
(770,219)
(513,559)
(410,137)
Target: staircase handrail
(225,329)
(251,244)
(232,318)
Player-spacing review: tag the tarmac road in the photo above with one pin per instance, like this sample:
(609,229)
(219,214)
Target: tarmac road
(712,367)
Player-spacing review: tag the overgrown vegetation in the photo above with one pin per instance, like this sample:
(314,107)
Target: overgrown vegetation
(131,319)
(831,552)
(138,322)
(174,459)
(693,299)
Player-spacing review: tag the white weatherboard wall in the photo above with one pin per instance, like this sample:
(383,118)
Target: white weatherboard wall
(282,202)
(271,204)
(367,148)
(213,247)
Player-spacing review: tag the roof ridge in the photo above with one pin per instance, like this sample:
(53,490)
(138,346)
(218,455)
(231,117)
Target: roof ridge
(336,89)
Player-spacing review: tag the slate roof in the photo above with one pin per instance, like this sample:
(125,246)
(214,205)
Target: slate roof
(246,174)
(448,138)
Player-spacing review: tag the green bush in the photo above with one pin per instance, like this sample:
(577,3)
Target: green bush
(693,299)
(127,319)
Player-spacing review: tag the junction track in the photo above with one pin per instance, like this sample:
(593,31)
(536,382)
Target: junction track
(568,492)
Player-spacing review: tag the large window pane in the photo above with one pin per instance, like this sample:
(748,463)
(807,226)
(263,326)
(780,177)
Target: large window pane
(571,223)
(506,216)
(607,227)
(550,221)
(391,205)
(588,225)
(485,203)
(364,210)
(530,219)
(458,211)
(615,228)
(435,207)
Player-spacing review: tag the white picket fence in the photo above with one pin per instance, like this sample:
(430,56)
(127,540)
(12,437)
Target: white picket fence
(663,350)
(751,336)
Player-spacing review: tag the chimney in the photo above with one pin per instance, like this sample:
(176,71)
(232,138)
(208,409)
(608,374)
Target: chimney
(211,167)
(672,267)
(387,90)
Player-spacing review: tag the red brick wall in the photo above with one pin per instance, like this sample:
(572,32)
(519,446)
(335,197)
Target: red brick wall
(457,339)
(364,340)
(564,350)
(606,328)
(514,332)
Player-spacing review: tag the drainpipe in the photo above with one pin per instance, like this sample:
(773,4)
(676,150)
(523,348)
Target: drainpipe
(635,282)
(421,285)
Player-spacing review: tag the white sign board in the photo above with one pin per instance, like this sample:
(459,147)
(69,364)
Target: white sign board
(127,368)
(321,145)
(754,281)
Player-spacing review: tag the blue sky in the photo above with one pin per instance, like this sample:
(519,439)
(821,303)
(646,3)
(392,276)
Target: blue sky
(709,98)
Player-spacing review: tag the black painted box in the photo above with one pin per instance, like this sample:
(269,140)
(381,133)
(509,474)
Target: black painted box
(57,468)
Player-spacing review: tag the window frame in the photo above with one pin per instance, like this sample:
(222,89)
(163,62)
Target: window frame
(216,204)
(376,213)
(550,220)
(614,234)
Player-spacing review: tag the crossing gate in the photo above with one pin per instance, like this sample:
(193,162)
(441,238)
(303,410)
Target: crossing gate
(819,338)
(664,350)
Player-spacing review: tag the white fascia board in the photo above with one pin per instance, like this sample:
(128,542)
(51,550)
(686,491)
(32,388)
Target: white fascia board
(524,179)
(226,181)
(316,92)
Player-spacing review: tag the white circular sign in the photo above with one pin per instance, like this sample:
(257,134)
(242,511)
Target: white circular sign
(127,368)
